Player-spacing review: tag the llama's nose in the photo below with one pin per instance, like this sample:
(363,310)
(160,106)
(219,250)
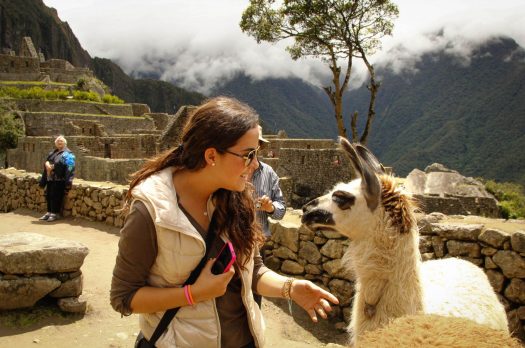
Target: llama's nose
(310,205)
(318,216)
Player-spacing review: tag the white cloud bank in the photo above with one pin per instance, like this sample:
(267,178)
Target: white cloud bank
(198,43)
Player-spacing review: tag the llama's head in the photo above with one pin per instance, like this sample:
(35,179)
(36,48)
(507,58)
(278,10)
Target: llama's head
(356,208)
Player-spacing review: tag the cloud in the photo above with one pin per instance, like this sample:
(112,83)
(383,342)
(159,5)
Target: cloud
(453,27)
(199,43)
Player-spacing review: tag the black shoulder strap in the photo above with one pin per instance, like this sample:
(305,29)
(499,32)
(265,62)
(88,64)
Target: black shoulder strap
(170,313)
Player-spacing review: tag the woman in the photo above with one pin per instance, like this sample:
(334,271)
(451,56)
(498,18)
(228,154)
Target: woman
(172,200)
(59,170)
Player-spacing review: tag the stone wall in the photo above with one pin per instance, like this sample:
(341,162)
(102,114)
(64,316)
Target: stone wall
(94,201)
(116,157)
(59,64)
(172,133)
(105,169)
(30,154)
(459,205)
(16,64)
(72,106)
(161,119)
(273,148)
(60,70)
(53,124)
(314,171)
(299,252)
(121,147)
(30,76)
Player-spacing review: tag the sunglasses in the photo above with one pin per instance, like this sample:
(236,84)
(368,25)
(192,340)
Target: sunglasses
(248,158)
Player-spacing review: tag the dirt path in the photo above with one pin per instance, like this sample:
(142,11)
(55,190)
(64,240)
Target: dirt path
(101,326)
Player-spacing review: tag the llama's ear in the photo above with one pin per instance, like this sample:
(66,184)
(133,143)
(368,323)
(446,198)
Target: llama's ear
(352,155)
(369,158)
(369,180)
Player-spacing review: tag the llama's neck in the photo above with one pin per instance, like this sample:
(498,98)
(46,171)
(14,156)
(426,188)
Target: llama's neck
(386,266)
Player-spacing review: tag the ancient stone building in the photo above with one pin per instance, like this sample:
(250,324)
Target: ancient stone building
(29,65)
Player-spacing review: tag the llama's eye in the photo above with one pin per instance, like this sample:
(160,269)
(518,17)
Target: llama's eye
(344,200)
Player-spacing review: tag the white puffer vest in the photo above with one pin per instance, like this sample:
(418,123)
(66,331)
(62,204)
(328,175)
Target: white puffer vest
(180,249)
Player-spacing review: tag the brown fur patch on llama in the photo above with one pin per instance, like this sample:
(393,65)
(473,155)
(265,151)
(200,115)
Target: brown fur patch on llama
(399,206)
(428,330)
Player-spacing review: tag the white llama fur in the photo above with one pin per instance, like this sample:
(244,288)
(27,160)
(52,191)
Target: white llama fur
(430,330)
(391,279)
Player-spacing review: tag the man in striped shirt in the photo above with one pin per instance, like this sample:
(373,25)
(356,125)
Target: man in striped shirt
(269,200)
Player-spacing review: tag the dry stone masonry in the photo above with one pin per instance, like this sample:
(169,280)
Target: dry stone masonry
(101,201)
(296,251)
(439,189)
(33,266)
(317,256)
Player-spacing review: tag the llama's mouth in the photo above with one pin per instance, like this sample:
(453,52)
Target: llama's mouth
(318,218)
(321,228)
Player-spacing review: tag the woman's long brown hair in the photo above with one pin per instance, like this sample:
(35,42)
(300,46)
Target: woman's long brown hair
(218,123)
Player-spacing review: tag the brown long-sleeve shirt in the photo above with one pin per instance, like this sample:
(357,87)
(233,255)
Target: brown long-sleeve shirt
(137,253)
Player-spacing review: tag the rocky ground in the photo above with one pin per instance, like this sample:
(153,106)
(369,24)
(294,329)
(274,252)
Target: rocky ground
(45,326)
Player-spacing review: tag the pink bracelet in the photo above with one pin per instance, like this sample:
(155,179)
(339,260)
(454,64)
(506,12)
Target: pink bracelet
(186,293)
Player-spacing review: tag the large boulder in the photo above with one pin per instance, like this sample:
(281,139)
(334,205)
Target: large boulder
(32,253)
(439,189)
(21,292)
(440,181)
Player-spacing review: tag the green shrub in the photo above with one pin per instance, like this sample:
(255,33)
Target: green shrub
(112,99)
(89,96)
(511,198)
(10,129)
(81,83)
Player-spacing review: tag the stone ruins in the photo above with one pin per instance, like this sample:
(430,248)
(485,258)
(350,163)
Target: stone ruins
(112,141)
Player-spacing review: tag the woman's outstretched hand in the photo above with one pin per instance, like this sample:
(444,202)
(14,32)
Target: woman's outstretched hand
(312,298)
(209,285)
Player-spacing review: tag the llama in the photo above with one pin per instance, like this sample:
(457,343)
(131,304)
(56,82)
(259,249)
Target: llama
(430,330)
(391,279)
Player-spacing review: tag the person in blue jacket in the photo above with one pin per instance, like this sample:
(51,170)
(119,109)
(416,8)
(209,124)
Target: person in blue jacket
(57,178)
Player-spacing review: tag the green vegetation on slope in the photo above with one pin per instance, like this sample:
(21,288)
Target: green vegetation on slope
(470,117)
(40,93)
(511,198)
(302,110)
(11,127)
(161,96)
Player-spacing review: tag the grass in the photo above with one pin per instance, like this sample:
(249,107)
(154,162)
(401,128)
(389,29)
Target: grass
(37,92)
(511,197)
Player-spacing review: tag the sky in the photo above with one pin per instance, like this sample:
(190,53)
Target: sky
(198,43)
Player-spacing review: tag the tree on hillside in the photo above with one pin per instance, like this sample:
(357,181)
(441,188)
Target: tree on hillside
(335,31)
(11,127)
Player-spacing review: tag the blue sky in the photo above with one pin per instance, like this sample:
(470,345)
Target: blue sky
(198,43)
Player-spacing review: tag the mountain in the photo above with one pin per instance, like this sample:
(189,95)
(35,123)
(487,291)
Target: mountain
(467,115)
(55,39)
(161,96)
(302,110)
(470,117)
(33,18)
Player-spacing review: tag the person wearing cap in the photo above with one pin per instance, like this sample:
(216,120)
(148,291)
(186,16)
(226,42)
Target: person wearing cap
(269,200)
